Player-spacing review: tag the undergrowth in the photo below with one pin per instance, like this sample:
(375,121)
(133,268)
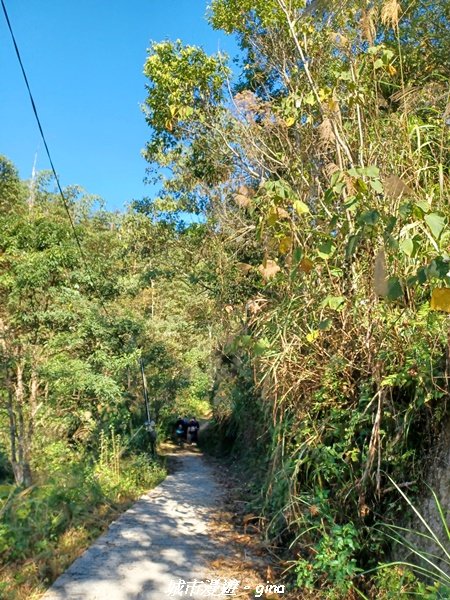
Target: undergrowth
(46,526)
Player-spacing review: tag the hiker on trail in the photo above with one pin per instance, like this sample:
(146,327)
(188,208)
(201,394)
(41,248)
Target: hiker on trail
(185,427)
(180,427)
(193,428)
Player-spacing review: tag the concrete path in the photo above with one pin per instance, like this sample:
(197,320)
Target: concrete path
(161,539)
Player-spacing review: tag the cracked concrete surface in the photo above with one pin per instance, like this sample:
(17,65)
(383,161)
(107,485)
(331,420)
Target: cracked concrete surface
(163,537)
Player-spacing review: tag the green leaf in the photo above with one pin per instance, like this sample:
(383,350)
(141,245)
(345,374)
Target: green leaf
(421,275)
(394,288)
(423,205)
(297,255)
(436,223)
(326,249)
(325,325)
(351,245)
(391,223)
(261,347)
(407,246)
(438,268)
(300,207)
(376,185)
(371,171)
(370,217)
(353,172)
(334,302)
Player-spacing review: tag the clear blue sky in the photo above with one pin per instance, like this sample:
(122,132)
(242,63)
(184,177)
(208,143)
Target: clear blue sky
(84,61)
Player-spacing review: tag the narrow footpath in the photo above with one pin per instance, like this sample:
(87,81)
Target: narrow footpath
(162,540)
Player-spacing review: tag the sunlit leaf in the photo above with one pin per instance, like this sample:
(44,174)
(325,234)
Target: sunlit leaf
(371,171)
(285,244)
(376,185)
(436,223)
(440,299)
(407,246)
(300,207)
(334,302)
(313,335)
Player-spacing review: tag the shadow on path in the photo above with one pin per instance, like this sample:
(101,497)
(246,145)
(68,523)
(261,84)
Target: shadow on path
(163,537)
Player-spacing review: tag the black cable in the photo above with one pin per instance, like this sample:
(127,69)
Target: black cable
(41,131)
(63,198)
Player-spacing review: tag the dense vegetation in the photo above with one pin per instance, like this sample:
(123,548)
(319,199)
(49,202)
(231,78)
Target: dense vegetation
(310,302)
(78,309)
(323,177)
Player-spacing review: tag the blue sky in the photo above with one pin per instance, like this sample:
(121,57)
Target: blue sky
(84,61)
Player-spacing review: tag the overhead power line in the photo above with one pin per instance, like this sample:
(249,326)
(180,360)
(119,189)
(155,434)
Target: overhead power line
(41,131)
(61,193)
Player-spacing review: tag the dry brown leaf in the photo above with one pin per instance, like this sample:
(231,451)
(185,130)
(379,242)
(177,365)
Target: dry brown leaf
(242,201)
(306,265)
(246,191)
(244,268)
(368,29)
(390,13)
(395,187)
(269,269)
(326,134)
(330,169)
(282,213)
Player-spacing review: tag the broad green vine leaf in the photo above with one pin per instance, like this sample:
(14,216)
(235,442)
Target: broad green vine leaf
(376,185)
(370,217)
(371,171)
(438,268)
(440,299)
(423,205)
(407,246)
(326,250)
(394,288)
(436,223)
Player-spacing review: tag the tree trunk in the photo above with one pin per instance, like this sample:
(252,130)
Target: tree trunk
(20,433)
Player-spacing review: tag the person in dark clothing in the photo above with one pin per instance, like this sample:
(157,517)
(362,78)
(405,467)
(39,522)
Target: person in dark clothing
(185,427)
(180,428)
(193,428)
